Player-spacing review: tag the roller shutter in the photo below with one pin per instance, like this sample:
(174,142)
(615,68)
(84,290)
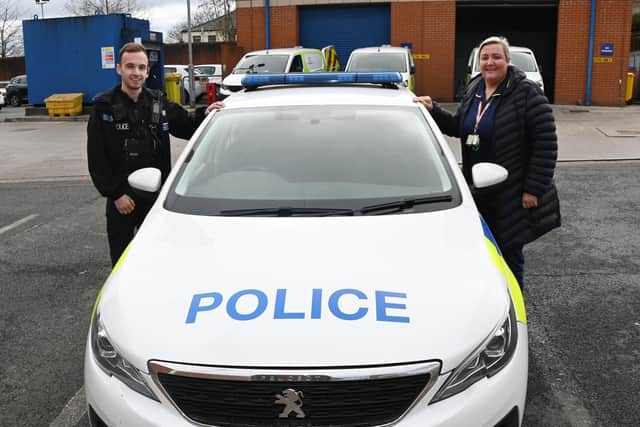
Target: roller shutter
(346,27)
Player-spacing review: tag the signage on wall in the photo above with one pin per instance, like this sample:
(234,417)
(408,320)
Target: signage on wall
(606,49)
(602,59)
(108,57)
(421,56)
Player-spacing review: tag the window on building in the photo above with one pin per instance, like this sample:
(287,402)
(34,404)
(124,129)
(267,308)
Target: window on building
(197,39)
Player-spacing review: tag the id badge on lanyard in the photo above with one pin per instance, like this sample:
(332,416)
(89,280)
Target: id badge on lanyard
(473,139)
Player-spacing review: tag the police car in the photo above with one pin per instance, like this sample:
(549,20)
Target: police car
(315,258)
(384,58)
(283,60)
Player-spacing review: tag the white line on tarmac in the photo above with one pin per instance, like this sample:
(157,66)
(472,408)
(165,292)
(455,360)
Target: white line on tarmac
(18,223)
(72,412)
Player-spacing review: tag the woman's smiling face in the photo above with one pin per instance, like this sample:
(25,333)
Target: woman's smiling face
(493,63)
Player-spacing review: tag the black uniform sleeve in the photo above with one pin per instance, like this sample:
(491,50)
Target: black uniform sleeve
(543,143)
(105,179)
(448,123)
(182,123)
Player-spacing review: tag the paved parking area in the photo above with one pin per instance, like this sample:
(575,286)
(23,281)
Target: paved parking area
(582,293)
(582,281)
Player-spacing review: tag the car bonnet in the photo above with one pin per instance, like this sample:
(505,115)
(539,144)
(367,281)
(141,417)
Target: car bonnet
(332,291)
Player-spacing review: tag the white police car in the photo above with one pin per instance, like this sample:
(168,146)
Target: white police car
(315,258)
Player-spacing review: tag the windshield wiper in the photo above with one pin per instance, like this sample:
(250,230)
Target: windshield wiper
(404,204)
(287,211)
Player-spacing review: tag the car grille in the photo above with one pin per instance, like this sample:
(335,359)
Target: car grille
(325,400)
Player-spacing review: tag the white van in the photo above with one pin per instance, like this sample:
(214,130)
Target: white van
(521,57)
(384,58)
(285,60)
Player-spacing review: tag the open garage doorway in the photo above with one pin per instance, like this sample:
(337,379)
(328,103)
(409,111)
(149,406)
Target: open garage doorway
(532,24)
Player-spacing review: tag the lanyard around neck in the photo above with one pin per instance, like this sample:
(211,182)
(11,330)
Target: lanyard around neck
(481,112)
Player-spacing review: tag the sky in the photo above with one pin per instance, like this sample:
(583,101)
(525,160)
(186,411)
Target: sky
(162,14)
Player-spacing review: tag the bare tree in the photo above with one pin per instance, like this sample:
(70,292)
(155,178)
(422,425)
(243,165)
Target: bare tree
(202,14)
(102,7)
(212,9)
(10,29)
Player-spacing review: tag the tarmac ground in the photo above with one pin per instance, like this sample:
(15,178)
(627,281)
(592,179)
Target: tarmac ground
(582,281)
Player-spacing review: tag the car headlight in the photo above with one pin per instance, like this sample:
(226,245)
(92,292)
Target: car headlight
(112,363)
(487,360)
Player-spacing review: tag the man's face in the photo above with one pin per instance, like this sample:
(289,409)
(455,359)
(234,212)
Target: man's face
(134,69)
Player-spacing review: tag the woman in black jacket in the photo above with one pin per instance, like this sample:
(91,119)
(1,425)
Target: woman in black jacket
(504,118)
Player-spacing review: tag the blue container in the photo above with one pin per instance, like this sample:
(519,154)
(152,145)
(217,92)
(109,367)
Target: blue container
(79,54)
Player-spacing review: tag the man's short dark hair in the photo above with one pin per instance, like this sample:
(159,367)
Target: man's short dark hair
(131,47)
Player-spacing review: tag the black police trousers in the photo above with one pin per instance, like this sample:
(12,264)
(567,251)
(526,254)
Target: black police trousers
(121,228)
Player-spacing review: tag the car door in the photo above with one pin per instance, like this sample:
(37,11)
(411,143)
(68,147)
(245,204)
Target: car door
(24,89)
(313,61)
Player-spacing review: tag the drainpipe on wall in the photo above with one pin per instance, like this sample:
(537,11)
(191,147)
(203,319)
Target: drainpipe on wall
(267,25)
(592,35)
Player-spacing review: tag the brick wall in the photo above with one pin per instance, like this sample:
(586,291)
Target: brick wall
(250,22)
(284,26)
(11,67)
(431,27)
(613,25)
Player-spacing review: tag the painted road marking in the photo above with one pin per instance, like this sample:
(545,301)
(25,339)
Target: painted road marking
(18,223)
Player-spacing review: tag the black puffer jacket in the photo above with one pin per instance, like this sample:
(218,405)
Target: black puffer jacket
(525,141)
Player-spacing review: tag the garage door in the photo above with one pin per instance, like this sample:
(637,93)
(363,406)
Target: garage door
(533,24)
(346,27)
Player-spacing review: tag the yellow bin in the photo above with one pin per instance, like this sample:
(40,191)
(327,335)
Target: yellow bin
(64,104)
(631,79)
(172,81)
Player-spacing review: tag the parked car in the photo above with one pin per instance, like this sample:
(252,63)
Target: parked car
(199,82)
(384,58)
(286,60)
(521,57)
(2,95)
(17,91)
(213,72)
(302,267)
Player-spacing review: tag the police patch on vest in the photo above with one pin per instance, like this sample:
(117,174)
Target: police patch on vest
(165,127)
(122,126)
(107,118)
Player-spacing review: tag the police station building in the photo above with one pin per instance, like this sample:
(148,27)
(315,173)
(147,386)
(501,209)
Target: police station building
(442,33)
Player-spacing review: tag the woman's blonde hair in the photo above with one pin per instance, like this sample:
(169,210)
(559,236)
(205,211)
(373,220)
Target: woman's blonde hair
(502,41)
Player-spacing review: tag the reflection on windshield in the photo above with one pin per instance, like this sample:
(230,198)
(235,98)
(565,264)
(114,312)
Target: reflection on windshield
(378,62)
(260,64)
(303,154)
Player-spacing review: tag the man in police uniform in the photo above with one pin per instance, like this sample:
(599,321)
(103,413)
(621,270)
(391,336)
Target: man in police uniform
(129,130)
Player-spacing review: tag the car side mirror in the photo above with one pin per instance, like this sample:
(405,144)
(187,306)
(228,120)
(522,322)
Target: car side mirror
(146,179)
(487,175)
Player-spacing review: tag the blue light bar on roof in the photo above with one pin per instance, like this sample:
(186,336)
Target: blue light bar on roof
(256,80)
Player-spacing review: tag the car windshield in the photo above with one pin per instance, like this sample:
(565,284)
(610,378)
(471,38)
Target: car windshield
(524,61)
(339,157)
(375,61)
(259,64)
